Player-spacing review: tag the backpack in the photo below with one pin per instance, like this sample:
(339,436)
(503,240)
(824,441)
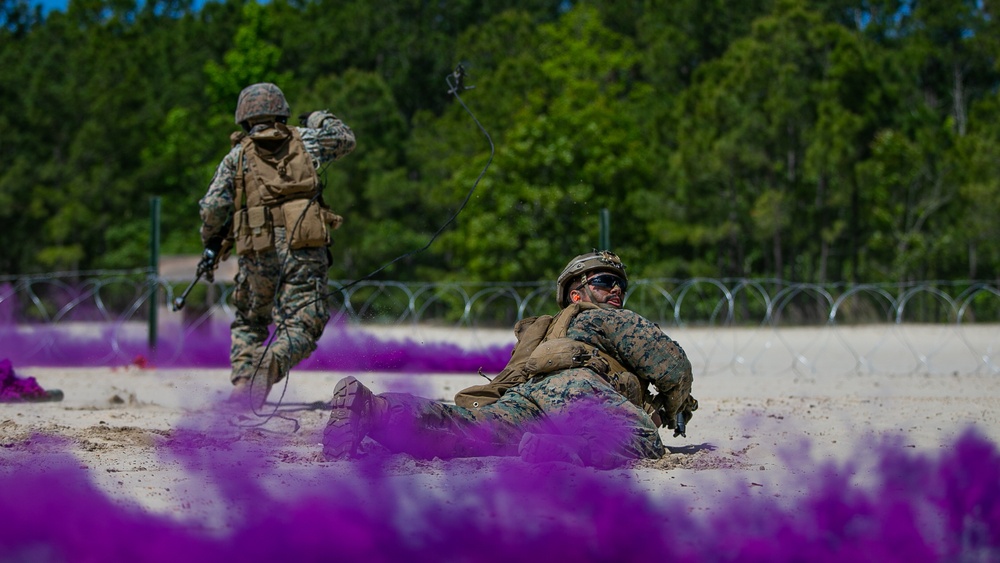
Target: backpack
(282,189)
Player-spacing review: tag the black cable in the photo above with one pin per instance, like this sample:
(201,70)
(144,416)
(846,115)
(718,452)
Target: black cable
(458,75)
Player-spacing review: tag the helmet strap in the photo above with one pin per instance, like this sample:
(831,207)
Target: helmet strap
(591,298)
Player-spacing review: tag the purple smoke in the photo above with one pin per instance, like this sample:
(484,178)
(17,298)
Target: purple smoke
(14,388)
(917,508)
(340,349)
(920,508)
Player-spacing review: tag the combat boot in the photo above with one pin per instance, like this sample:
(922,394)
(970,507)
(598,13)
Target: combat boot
(241,391)
(251,391)
(354,410)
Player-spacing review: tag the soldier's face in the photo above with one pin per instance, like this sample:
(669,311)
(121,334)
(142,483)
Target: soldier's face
(601,289)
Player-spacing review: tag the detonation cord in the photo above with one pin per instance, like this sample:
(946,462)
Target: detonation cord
(456,84)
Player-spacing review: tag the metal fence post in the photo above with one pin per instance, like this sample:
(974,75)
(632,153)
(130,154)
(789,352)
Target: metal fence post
(605,220)
(154,270)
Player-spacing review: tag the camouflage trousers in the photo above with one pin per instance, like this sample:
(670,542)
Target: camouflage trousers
(283,287)
(576,404)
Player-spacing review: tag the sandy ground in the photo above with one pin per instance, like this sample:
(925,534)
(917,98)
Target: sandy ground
(763,431)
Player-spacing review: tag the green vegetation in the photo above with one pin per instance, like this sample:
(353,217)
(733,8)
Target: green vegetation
(816,141)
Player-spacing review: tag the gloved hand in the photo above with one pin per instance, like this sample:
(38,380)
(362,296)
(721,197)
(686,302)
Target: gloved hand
(206,267)
(315,119)
(304,118)
(679,424)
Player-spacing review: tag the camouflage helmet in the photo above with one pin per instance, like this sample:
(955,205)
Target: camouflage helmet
(261,99)
(583,264)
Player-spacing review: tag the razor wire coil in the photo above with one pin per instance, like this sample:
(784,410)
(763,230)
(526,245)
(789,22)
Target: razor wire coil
(724,324)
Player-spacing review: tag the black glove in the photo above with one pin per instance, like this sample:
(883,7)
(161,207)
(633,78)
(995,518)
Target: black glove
(206,267)
(684,416)
(215,244)
(304,118)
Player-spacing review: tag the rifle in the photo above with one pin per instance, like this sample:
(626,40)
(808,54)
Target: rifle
(684,415)
(215,246)
(681,426)
(206,269)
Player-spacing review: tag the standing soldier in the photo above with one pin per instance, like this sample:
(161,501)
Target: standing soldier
(266,202)
(576,388)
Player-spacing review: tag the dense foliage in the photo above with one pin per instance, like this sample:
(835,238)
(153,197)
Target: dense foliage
(822,140)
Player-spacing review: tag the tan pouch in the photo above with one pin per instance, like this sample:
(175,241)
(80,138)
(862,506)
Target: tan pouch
(529,332)
(305,224)
(564,353)
(241,232)
(332,219)
(261,228)
(482,395)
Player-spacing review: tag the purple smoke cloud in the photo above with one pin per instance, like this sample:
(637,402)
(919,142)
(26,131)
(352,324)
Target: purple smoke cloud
(918,508)
(14,388)
(341,348)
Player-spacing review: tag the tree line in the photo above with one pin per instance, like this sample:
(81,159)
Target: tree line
(817,141)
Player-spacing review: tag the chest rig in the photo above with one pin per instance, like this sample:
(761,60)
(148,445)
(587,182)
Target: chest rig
(277,186)
(542,348)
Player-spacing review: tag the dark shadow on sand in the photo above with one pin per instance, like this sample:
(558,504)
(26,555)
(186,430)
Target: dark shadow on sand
(691,449)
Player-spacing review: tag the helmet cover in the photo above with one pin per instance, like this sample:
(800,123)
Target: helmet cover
(261,99)
(579,267)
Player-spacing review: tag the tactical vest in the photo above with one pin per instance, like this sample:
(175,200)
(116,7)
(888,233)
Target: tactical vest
(542,348)
(281,189)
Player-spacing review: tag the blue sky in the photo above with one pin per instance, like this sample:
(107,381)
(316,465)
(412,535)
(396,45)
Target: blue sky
(49,5)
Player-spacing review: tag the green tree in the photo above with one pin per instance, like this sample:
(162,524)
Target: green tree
(567,142)
(966,239)
(369,188)
(679,36)
(767,137)
(948,55)
(191,138)
(823,140)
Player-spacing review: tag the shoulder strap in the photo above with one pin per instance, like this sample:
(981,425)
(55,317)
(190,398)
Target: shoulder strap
(530,333)
(560,323)
(255,193)
(240,180)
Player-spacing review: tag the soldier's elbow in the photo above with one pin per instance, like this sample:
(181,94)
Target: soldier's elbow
(686,370)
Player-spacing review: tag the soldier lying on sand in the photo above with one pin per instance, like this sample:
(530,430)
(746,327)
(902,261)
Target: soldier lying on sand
(576,388)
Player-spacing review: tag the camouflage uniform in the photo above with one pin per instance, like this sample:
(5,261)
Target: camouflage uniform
(283,283)
(574,404)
